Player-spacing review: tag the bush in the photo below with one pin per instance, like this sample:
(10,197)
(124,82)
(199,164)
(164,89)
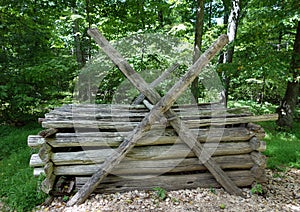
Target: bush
(27,92)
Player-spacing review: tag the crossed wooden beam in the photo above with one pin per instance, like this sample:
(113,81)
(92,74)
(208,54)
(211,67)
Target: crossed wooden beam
(161,108)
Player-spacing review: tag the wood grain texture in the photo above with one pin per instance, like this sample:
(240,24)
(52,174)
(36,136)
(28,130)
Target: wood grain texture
(113,184)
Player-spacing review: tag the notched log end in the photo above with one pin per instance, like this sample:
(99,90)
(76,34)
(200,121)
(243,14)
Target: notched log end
(48,132)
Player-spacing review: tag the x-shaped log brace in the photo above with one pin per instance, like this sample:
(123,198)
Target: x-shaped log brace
(161,108)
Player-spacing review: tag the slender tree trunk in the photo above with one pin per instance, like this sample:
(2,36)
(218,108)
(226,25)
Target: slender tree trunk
(198,45)
(226,5)
(77,42)
(210,14)
(287,107)
(88,18)
(231,32)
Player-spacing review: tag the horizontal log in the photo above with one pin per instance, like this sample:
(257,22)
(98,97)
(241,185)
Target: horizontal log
(110,107)
(35,141)
(48,132)
(259,174)
(153,137)
(37,171)
(148,152)
(112,184)
(106,125)
(138,116)
(259,159)
(157,167)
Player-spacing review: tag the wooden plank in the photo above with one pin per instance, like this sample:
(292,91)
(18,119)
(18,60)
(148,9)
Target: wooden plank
(114,184)
(37,171)
(162,106)
(35,141)
(130,116)
(158,167)
(194,123)
(143,153)
(109,107)
(153,137)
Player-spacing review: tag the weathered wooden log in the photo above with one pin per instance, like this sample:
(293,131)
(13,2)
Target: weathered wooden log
(35,141)
(146,167)
(48,132)
(48,184)
(37,171)
(142,153)
(124,126)
(36,161)
(259,159)
(259,174)
(162,106)
(114,184)
(189,113)
(194,123)
(262,147)
(157,167)
(48,169)
(45,152)
(153,137)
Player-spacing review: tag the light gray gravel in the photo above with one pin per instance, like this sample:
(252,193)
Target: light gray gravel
(281,193)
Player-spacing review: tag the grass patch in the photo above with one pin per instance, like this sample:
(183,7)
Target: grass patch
(18,187)
(283,148)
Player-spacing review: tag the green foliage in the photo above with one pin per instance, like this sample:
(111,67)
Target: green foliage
(282,147)
(212,190)
(222,206)
(161,193)
(27,92)
(254,107)
(18,188)
(257,189)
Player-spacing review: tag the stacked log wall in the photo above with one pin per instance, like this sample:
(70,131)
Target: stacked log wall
(78,138)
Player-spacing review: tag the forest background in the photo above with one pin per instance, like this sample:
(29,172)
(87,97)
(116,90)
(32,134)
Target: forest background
(44,44)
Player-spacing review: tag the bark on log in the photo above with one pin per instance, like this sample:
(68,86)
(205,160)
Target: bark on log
(162,106)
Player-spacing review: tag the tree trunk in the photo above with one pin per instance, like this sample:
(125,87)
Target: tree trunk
(88,18)
(231,32)
(198,45)
(77,40)
(287,107)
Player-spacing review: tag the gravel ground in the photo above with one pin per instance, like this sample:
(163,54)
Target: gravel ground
(280,193)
